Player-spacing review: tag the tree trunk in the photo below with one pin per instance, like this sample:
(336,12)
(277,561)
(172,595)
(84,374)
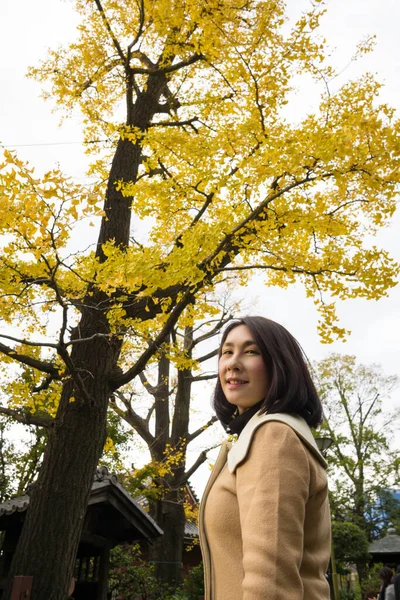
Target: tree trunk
(50,536)
(167,551)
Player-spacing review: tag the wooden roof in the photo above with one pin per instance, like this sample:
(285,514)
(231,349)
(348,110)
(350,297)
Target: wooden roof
(390,544)
(112,513)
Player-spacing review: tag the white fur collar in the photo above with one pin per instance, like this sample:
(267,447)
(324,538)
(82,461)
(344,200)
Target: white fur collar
(239,450)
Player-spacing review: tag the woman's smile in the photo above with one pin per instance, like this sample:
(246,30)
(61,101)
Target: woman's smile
(241,369)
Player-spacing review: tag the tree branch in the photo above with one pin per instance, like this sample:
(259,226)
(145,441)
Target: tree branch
(110,31)
(43,366)
(151,389)
(28,343)
(200,460)
(174,123)
(132,418)
(44,385)
(28,418)
(155,344)
(195,434)
(214,331)
(170,69)
(140,30)
(203,377)
(63,353)
(208,356)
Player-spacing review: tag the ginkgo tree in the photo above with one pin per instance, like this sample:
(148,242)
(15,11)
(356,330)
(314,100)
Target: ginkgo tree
(184,103)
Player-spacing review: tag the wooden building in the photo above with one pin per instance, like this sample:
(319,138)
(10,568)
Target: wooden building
(112,517)
(387,549)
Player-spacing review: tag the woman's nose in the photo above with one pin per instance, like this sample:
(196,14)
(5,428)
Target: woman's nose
(233,364)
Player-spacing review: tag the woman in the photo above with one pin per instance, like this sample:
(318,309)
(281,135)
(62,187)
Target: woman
(386,591)
(264,518)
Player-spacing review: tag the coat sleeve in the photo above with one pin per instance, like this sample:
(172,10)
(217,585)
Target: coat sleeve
(272,490)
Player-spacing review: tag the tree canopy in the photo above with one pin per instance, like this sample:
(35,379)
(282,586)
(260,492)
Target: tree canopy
(203,176)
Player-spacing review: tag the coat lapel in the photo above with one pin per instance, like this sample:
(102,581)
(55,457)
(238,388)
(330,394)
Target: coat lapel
(239,450)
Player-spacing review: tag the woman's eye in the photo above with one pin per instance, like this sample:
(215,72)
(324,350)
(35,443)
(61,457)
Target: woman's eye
(226,352)
(252,352)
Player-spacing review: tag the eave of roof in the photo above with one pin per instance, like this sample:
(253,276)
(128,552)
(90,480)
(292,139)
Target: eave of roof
(105,488)
(390,544)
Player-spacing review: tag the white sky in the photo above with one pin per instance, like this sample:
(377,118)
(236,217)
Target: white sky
(26,121)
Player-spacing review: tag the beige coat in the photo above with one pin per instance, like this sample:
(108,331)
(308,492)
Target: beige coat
(264,518)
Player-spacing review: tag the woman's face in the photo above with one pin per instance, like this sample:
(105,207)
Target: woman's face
(241,369)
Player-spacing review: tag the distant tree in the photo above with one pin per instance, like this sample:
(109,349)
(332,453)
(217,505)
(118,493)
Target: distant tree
(350,542)
(6,456)
(19,460)
(365,466)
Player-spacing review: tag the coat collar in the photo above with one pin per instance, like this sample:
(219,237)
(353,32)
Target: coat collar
(239,450)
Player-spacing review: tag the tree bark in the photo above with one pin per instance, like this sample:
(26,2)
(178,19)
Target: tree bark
(169,512)
(167,551)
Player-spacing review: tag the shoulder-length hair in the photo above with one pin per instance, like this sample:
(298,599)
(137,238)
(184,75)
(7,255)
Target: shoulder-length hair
(290,387)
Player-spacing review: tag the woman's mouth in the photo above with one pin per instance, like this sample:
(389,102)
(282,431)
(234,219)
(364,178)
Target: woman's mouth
(234,383)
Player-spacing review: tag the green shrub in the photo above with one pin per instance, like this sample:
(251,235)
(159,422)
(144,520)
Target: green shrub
(133,578)
(193,584)
(372,580)
(347,595)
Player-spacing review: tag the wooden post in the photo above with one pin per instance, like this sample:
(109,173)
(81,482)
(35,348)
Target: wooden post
(102,583)
(335,577)
(22,587)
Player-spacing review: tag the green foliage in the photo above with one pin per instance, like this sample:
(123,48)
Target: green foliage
(134,578)
(350,542)
(372,580)
(193,584)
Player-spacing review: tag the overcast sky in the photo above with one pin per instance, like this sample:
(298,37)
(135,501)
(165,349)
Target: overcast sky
(26,122)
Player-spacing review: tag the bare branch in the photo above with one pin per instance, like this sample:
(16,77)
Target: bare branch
(149,413)
(203,377)
(28,418)
(132,418)
(88,339)
(207,356)
(214,331)
(140,30)
(44,385)
(63,353)
(151,389)
(291,269)
(195,434)
(200,460)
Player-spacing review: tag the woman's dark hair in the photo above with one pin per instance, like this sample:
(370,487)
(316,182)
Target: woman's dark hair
(386,575)
(291,389)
